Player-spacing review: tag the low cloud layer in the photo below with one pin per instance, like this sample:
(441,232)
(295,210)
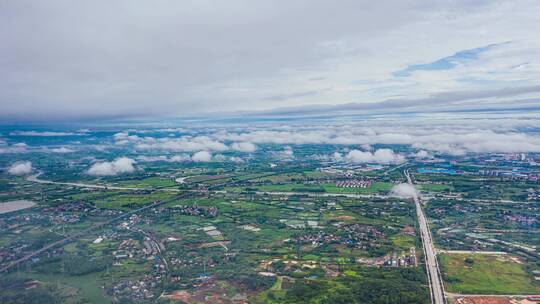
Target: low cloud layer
(20,168)
(43,133)
(201,156)
(429,137)
(14,148)
(118,166)
(456,138)
(174,144)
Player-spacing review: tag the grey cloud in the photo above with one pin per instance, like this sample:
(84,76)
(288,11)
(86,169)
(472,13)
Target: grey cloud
(65,60)
(291,96)
(103,59)
(436,102)
(43,134)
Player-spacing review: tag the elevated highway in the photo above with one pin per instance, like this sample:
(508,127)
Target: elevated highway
(432,266)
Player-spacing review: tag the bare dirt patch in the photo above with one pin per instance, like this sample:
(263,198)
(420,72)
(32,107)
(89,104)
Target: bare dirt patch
(15,206)
(484,300)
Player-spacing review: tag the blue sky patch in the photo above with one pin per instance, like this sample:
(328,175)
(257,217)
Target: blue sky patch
(449,62)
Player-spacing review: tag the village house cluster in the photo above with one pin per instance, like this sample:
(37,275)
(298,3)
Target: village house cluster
(405,259)
(354,183)
(514,174)
(195,210)
(533,194)
(81,207)
(355,235)
(135,290)
(521,219)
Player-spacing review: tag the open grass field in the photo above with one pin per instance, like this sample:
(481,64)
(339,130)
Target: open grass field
(436,187)
(292,187)
(329,188)
(88,285)
(486,274)
(149,182)
(121,200)
(403,241)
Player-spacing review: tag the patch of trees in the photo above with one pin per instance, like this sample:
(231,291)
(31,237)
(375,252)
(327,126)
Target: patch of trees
(389,286)
(12,291)
(72,265)
(468,261)
(253,281)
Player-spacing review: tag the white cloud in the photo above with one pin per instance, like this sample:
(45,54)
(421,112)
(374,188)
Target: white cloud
(422,154)
(287,153)
(381,156)
(118,166)
(276,137)
(20,168)
(404,191)
(123,138)
(449,149)
(219,157)
(62,150)
(236,159)
(357,156)
(337,156)
(180,158)
(202,156)
(244,147)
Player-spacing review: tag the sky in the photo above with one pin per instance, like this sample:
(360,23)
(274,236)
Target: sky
(92,60)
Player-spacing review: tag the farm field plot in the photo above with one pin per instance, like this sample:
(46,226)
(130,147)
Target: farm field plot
(486,274)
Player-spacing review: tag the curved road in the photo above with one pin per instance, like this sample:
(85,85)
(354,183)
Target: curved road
(35,179)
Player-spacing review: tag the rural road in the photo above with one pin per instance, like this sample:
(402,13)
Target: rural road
(35,179)
(315,194)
